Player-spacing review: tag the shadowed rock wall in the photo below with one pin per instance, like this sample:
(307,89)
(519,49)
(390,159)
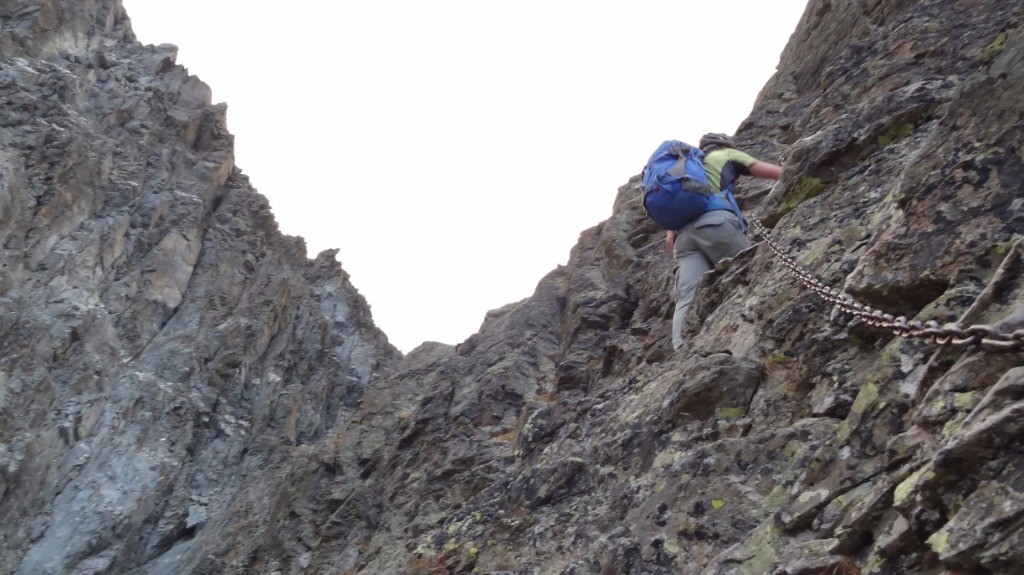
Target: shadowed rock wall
(206,413)
(160,340)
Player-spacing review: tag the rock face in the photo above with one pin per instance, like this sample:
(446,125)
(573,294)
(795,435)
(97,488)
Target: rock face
(160,340)
(182,391)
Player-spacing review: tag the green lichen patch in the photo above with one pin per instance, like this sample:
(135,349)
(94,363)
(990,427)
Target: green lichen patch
(760,550)
(843,431)
(953,426)
(995,48)
(866,397)
(730,413)
(939,542)
(1003,248)
(908,487)
(902,126)
(895,132)
(667,457)
(965,400)
(777,498)
(807,188)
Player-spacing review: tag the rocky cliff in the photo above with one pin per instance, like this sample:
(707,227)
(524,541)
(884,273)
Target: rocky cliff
(160,340)
(182,391)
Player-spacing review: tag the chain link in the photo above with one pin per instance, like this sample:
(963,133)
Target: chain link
(982,335)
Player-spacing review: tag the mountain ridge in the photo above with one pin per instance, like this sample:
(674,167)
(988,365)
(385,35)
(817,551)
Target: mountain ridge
(182,390)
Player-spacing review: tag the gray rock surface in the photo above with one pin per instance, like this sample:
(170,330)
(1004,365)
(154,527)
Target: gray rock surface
(182,391)
(160,340)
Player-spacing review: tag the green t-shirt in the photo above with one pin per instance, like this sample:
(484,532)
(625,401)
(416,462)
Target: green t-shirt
(725,165)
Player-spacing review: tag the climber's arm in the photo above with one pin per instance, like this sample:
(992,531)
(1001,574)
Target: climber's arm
(765,170)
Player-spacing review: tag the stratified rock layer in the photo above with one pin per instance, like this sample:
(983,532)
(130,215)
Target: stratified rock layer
(181,391)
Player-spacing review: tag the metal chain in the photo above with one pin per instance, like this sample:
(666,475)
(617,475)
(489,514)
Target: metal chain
(983,335)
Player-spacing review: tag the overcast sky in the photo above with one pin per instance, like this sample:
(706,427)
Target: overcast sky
(454,150)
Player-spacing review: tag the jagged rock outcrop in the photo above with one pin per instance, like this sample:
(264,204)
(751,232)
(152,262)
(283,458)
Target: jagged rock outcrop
(171,402)
(160,340)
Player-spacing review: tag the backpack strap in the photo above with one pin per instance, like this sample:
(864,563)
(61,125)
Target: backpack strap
(734,207)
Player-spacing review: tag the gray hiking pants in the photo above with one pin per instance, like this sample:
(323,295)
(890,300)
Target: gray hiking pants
(700,245)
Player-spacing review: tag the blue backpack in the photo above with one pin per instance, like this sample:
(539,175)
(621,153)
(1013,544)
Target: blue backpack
(676,189)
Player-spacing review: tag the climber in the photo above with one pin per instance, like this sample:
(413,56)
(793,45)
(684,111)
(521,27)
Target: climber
(718,234)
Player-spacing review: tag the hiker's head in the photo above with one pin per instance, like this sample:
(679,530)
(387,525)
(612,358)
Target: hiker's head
(709,142)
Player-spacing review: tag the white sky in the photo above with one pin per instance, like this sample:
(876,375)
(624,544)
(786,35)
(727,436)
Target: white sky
(454,150)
